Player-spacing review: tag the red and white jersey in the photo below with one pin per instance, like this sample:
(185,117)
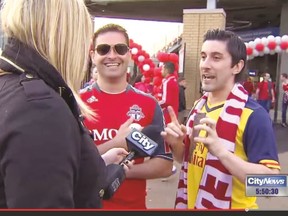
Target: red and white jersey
(170,96)
(112,111)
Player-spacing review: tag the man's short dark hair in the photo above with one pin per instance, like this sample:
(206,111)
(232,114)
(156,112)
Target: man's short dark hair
(169,66)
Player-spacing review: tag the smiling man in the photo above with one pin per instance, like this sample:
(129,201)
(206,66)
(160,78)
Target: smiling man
(236,137)
(118,105)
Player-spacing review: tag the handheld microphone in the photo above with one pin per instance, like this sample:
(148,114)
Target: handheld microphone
(116,175)
(142,143)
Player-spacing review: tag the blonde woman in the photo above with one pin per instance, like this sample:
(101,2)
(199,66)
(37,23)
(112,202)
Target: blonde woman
(47,158)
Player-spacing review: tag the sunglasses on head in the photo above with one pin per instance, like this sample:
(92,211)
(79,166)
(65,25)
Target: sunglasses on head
(103,49)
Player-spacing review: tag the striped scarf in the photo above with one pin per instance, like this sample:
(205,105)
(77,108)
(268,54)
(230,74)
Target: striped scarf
(217,195)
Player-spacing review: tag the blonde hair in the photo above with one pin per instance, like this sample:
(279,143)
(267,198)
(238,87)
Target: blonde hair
(59,30)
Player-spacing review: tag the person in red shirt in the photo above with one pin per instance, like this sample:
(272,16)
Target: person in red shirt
(249,86)
(284,79)
(170,90)
(140,84)
(265,93)
(118,105)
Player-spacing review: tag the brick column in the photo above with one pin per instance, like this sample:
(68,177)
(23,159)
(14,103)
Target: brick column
(195,23)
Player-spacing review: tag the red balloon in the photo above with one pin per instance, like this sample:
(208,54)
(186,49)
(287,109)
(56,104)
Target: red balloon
(272,45)
(157,72)
(259,47)
(249,51)
(147,80)
(159,55)
(163,57)
(157,81)
(284,45)
(135,58)
(173,57)
(131,45)
(149,73)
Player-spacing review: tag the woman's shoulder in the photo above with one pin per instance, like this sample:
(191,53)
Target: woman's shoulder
(21,98)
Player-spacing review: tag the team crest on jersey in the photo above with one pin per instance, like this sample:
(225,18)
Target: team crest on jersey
(92,99)
(136,112)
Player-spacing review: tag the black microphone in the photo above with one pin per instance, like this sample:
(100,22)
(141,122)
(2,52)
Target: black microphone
(140,144)
(115,176)
(143,143)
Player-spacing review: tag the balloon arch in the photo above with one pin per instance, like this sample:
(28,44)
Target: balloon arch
(150,71)
(266,45)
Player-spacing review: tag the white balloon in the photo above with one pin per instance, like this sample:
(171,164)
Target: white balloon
(266,50)
(271,38)
(264,41)
(278,49)
(255,53)
(257,40)
(141,58)
(250,57)
(134,51)
(146,67)
(261,53)
(251,44)
(278,40)
(285,38)
(272,52)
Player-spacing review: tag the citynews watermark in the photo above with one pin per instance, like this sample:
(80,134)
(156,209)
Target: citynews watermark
(267,185)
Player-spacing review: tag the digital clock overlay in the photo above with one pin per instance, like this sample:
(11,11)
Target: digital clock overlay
(266,185)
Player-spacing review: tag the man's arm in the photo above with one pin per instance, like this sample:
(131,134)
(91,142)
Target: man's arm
(240,168)
(260,146)
(152,168)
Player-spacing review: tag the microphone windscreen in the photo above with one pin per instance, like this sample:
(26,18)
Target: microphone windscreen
(154,133)
(141,143)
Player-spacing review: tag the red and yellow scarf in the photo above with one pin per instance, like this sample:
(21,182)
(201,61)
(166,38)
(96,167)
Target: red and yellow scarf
(210,196)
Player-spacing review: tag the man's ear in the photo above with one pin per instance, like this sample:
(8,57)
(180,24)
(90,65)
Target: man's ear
(92,53)
(238,67)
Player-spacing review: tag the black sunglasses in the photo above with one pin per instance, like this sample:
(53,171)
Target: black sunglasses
(103,49)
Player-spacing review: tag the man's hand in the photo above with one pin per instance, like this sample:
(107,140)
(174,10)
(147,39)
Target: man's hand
(174,132)
(211,140)
(124,130)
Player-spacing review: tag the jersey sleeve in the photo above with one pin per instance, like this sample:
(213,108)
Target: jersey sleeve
(259,140)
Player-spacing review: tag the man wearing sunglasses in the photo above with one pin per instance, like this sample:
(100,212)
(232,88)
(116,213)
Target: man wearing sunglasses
(118,105)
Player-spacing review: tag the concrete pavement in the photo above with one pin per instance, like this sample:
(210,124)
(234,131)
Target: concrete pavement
(161,194)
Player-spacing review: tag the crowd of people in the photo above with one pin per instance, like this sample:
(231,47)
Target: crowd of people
(264,92)
(58,143)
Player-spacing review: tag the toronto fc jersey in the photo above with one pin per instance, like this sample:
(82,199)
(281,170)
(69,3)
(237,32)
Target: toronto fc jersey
(112,111)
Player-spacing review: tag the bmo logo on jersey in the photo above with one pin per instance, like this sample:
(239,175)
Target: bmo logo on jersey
(105,135)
